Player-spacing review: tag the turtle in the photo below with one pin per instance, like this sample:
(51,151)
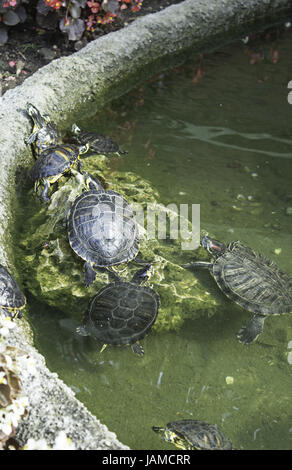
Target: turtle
(191,434)
(44,133)
(249,279)
(12,300)
(98,143)
(122,312)
(102,229)
(53,163)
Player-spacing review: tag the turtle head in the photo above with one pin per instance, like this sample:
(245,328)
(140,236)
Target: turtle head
(35,115)
(169,436)
(213,246)
(75,129)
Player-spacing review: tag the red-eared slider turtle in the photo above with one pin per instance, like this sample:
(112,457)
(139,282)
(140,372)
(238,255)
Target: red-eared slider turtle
(251,280)
(12,300)
(44,133)
(102,229)
(122,312)
(53,163)
(191,434)
(98,143)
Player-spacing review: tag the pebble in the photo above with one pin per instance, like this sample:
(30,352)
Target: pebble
(47,53)
(229,380)
(289,210)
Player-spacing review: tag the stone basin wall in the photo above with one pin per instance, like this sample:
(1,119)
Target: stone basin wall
(105,68)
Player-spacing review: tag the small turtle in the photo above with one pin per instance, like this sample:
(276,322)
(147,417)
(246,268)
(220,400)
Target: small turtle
(98,143)
(44,133)
(249,279)
(53,163)
(102,229)
(122,312)
(12,300)
(191,434)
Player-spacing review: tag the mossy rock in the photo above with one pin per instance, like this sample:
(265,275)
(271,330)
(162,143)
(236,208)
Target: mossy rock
(54,273)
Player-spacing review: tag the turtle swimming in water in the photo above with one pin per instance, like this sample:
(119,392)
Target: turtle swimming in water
(53,163)
(102,229)
(98,143)
(44,133)
(122,312)
(249,279)
(12,300)
(191,434)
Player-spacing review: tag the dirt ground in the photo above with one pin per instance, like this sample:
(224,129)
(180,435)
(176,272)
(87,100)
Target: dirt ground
(30,47)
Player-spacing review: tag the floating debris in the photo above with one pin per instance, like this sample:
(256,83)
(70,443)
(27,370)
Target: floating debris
(229,380)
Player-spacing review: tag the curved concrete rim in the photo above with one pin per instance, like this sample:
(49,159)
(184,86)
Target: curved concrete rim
(58,89)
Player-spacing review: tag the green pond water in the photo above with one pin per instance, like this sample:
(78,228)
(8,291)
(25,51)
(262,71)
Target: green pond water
(215,132)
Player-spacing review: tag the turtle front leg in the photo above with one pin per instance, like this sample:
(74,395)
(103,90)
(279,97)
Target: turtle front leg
(31,138)
(45,191)
(17,314)
(198,264)
(252,330)
(89,274)
(137,349)
(79,165)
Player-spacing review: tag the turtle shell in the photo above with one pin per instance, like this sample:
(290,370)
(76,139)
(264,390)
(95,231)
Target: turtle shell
(199,435)
(11,296)
(253,281)
(54,161)
(102,228)
(99,143)
(122,313)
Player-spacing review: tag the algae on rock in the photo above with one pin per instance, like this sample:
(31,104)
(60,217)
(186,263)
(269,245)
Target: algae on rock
(54,273)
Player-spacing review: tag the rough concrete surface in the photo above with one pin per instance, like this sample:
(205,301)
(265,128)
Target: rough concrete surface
(58,89)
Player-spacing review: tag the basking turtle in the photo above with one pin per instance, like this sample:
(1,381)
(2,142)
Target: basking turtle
(102,229)
(191,434)
(12,300)
(98,143)
(251,280)
(44,133)
(122,312)
(53,163)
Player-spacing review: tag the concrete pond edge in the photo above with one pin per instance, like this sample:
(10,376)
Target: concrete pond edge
(58,89)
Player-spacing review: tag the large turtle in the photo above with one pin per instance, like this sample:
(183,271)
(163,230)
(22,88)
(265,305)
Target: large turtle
(53,163)
(249,279)
(102,229)
(122,312)
(98,143)
(12,300)
(44,133)
(191,434)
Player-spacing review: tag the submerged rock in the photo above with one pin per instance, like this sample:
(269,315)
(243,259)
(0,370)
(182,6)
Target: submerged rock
(54,274)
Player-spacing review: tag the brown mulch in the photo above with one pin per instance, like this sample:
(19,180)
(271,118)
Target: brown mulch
(30,47)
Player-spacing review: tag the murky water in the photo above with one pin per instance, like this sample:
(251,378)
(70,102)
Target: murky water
(215,132)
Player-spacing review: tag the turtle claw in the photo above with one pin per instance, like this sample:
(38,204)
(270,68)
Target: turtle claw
(137,349)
